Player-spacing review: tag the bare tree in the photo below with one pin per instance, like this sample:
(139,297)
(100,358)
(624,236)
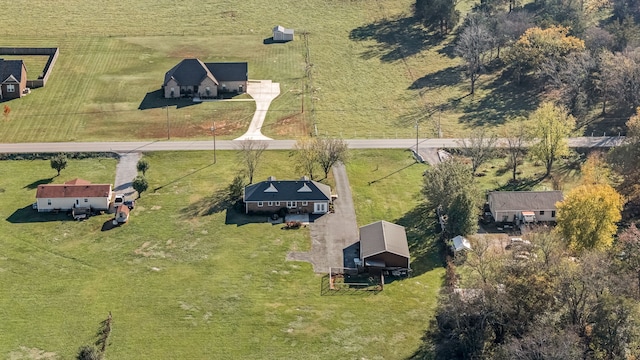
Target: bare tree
(510,26)
(480,259)
(250,154)
(330,151)
(306,155)
(573,77)
(473,46)
(515,135)
(479,147)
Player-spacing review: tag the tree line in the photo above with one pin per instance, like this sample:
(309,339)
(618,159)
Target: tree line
(550,45)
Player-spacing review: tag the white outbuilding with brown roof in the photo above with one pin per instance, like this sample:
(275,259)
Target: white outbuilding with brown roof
(384,244)
(77,193)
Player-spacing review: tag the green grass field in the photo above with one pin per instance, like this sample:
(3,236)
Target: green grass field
(183,282)
(374,71)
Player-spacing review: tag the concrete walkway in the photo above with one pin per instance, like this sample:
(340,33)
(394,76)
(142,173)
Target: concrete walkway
(126,171)
(333,232)
(263,92)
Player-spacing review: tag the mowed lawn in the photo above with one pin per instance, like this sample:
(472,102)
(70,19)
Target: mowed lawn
(374,71)
(186,282)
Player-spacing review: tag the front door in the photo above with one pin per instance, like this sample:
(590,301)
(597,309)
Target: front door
(320,208)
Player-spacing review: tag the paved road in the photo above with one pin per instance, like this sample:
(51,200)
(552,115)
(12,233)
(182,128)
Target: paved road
(332,233)
(163,145)
(126,171)
(263,92)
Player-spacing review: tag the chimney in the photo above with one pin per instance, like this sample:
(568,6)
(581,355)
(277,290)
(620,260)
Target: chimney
(271,178)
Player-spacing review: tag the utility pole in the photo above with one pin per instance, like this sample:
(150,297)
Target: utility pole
(213,130)
(417,131)
(168,125)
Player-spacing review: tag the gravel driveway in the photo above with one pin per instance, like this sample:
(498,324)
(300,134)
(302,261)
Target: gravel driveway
(333,232)
(126,171)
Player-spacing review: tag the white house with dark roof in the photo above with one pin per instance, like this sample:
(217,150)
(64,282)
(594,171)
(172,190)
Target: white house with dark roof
(77,193)
(384,245)
(297,196)
(524,206)
(280,33)
(194,78)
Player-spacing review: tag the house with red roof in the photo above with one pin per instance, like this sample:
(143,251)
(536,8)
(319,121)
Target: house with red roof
(77,193)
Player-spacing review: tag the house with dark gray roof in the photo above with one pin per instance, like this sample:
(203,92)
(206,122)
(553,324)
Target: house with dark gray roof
(13,79)
(194,78)
(384,245)
(524,206)
(302,196)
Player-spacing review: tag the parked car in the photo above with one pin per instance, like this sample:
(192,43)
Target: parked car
(130,204)
(118,200)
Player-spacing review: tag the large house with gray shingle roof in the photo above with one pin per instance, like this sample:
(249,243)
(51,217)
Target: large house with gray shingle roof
(13,79)
(302,196)
(194,78)
(524,206)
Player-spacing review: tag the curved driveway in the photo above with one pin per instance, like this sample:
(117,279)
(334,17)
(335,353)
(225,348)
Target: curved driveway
(263,92)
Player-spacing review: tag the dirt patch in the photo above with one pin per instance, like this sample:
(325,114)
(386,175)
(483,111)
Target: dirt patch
(186,128)
(293,125)
(25,353)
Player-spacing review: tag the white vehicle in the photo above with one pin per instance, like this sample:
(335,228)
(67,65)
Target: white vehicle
(118,200)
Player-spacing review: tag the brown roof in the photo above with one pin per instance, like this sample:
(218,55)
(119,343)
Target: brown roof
(383,236)
(72,191)
(123,209)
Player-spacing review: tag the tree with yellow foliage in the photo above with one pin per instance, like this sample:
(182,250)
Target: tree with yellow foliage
(588,216)
(595,170)
(537,45)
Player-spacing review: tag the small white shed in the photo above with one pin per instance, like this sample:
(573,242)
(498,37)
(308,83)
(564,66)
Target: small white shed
(280,33)
(461,243)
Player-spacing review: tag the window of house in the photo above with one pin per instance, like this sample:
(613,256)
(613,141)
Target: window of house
(86,200)
(291,204)
(270,203)
(304,203)
(11,88)
(277,203)
(260,204)
(542,212)
(553,213)
(48,201)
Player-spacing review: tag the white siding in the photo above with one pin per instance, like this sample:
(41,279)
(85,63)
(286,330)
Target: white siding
(64,204)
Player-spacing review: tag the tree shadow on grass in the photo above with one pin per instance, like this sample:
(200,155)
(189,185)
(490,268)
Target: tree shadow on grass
(35,184)
(523,184)
(156,100)
(446,77)
(503,100)
(422,236)
(215,203)
(396,38)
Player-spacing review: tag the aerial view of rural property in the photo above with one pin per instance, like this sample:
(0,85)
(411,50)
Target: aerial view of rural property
(320,179)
